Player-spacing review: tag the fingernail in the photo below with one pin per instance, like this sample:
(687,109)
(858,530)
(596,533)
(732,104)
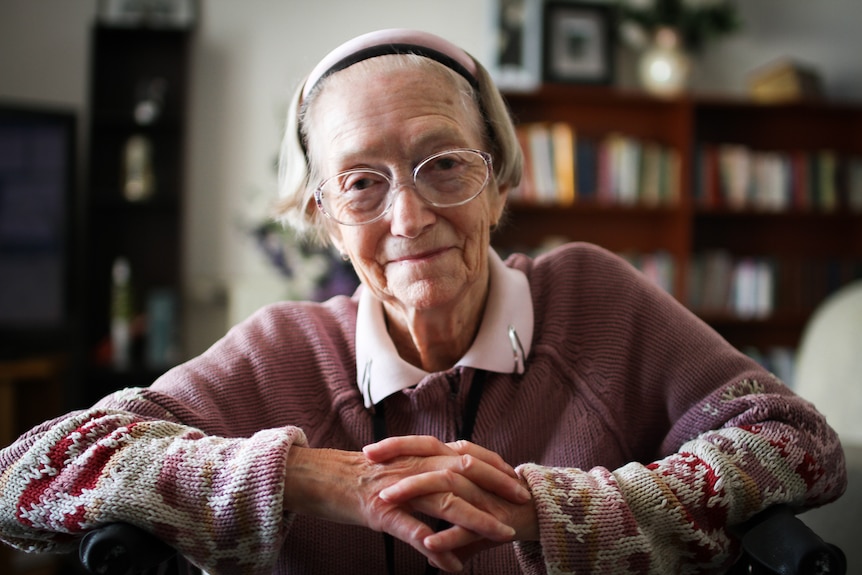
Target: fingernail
(524,493)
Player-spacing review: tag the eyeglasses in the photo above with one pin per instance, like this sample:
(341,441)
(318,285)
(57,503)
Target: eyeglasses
(444,180)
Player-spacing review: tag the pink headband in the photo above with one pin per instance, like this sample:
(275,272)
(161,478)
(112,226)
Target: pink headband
(392,41)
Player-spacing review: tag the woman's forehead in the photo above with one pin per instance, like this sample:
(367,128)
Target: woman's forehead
(374,101)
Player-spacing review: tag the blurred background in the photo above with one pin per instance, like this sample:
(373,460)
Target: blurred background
(138,141)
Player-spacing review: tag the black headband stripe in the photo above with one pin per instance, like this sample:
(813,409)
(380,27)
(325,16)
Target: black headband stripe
(387,49)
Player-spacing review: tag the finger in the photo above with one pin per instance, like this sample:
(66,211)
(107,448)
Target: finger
(492,478)
(404,526)
(413,445)
(455,499)
(452,509)
(463,447)
(478,472)
(482,466)
(427,446)
(454,539)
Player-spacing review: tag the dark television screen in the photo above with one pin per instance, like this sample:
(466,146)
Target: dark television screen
(37,181)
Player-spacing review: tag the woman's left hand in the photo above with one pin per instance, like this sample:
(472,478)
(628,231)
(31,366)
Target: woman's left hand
(456,485)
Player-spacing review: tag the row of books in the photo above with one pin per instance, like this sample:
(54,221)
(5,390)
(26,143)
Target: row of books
(738,177)
(719,284)
(753,288)
(561,168)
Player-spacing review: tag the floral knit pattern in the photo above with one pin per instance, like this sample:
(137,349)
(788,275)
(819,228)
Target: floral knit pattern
(106,463)
(641,433)
(647,518)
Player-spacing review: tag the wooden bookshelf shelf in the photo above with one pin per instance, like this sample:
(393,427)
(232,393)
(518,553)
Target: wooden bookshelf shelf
(801,243)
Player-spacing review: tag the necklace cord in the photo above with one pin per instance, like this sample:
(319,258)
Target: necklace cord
(471,409)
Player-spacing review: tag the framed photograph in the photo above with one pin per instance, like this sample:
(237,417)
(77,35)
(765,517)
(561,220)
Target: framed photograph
(152,13)
(515,53)
(578,43)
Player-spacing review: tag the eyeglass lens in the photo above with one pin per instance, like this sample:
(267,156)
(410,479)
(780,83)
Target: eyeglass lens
(446,179)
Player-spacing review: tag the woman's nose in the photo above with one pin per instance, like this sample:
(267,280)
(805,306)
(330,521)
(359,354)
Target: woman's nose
(410,213)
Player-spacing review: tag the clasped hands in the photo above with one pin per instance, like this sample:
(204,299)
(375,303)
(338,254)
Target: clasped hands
(472,489)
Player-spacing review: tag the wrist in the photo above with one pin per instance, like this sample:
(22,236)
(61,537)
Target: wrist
(321,483)
(525,520)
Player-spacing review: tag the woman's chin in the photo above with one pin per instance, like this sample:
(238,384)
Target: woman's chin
(425,292)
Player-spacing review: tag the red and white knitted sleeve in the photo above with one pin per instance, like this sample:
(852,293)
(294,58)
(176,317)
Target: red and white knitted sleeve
(217,500)
(672,516)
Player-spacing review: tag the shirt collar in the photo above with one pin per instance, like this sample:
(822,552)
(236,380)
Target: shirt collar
(502,344)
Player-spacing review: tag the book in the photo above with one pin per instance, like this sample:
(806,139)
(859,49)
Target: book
(672,186)
(541,153)
(784,80)
(587,169)
(561,168)
(735,169)
(650,174)
(563,152)
(827,193)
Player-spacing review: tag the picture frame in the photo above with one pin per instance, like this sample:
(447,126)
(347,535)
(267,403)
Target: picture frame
(578,43)
(514,57)
(177,14)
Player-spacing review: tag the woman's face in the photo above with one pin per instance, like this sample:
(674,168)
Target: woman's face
(417,257)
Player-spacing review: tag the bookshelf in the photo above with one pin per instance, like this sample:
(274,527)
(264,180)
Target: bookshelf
(134,198)
(766,220)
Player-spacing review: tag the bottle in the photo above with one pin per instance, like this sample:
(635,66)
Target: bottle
(121,313)
(138,179)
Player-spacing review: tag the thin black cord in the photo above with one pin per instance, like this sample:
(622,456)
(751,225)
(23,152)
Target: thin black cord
(471,410)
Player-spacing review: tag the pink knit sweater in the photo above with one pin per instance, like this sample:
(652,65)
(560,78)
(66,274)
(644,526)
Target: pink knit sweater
(641,433)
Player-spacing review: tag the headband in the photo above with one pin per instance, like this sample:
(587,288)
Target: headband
(392,41)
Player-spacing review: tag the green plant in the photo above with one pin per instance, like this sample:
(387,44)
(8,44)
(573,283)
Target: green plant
(696,21)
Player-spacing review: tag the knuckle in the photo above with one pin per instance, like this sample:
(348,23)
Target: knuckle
(449,477)
(461,445)
(417,532)
(467,462)
(448,501)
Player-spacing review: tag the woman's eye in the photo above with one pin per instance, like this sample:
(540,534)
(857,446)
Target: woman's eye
(445,164)
(362,182)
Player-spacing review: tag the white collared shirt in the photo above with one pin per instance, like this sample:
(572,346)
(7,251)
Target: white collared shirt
(502,344)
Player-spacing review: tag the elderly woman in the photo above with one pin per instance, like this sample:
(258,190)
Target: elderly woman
(551,415)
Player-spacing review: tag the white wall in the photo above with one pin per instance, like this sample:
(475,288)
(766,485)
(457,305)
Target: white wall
(823,33)
(249,54)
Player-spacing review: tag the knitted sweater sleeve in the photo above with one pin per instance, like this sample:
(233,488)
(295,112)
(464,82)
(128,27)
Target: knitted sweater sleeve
(173,459)
(215,499)
(736,441)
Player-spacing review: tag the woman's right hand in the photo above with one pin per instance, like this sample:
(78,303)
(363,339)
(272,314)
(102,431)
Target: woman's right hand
(344,487)
(434,493)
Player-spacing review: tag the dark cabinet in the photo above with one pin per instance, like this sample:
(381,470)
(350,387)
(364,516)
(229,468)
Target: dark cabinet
(133,206)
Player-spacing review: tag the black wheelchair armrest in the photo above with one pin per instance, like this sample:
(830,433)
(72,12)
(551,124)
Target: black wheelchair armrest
(774,542)
(122,549)
(777,542)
